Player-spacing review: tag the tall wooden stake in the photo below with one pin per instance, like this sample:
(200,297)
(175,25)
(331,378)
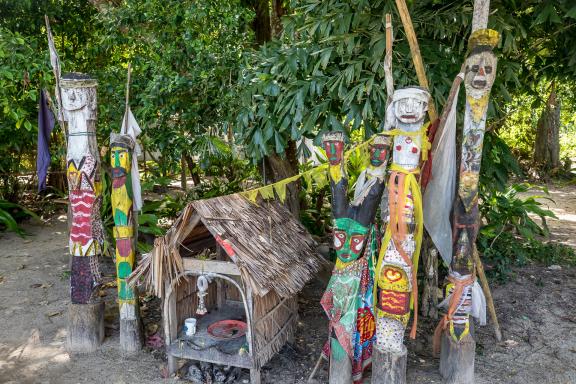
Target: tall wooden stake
(395,275)
(454,331)
(415,51)
(348,300)
(86,313)
(125,231)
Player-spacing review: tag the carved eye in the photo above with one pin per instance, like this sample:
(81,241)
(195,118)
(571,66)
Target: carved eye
(398,147)
(488,69)
(414,150)
(475,68)
(357,243)
(339,239)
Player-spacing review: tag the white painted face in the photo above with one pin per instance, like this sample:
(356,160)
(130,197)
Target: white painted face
(74,98)
(410,110)
(407,150)
(480,73)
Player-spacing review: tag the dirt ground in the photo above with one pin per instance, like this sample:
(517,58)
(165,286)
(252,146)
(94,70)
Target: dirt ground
(537,312)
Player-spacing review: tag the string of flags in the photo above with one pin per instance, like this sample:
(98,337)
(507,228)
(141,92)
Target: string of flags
(318,175)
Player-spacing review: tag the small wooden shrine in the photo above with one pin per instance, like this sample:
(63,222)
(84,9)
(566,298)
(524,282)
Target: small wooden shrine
(252,260)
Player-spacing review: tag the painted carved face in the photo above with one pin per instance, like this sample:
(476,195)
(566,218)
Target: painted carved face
(120,160)
(410,110)
(74,98)
(334,151)
(349,239)
(378,154)
(121,164)
(407,150)
(480,72)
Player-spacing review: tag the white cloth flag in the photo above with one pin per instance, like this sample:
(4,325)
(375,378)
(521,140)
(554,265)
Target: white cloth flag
(439,195)
(131,128)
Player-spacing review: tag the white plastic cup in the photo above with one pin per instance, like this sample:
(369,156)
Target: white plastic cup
(190,326)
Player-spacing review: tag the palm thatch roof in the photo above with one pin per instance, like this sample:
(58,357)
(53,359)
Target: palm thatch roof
(272,250)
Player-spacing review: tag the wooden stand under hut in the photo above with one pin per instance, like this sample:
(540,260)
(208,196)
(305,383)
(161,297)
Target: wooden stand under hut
(240,263)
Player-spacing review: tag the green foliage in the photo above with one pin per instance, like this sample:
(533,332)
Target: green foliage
(510,235)
(10,214)
(22,72)
(519,128)
(506,211)
(184,56)
(225,174)
(326,73)
(498,164)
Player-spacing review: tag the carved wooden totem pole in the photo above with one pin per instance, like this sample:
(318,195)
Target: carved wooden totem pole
(125,234)
(86,314)
(348,298)
(395,289)
(463,295)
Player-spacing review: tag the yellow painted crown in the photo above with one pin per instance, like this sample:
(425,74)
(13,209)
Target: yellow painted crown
(487,37)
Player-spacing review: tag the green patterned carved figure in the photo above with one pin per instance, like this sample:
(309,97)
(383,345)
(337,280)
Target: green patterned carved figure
(122,147)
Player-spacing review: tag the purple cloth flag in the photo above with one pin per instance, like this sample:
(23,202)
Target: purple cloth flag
(45,126)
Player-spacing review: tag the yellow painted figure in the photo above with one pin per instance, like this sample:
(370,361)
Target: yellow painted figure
(122,208)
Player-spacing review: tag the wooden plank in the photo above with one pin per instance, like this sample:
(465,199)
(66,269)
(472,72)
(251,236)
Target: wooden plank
(222,267)
(415,51)
(211,355)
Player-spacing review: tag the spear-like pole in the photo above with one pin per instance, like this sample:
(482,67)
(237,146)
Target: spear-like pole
(55,62)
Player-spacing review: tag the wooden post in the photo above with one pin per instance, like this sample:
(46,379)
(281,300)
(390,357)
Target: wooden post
(395,275)
(429,302)
(415,51)
(389,367)
(352,327)
(85,327)
(457,359)
(85,195)
(480,14)
(125,230)
(454,331)
(126,235)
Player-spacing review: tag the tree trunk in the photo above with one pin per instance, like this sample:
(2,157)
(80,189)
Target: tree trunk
(183,181)
(192,169)
(85,196)
(261,23)
(278,10)
(547,144)
(277,168)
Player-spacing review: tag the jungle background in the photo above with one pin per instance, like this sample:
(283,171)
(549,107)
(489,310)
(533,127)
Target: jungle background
(228,93)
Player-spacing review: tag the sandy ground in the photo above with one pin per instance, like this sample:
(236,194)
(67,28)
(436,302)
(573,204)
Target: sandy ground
(537,311)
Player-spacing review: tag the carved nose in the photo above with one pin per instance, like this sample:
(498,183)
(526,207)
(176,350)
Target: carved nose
(481,71)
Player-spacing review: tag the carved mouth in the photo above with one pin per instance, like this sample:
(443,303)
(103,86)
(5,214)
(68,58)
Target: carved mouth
(344,256)
(479,83)
(118,172)
(407,117)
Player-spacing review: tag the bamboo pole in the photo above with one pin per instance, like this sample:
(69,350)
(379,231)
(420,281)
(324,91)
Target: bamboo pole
(415,51)
(388,60)
(487,293)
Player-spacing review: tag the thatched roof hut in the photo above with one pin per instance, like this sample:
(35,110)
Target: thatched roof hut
(258,250)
